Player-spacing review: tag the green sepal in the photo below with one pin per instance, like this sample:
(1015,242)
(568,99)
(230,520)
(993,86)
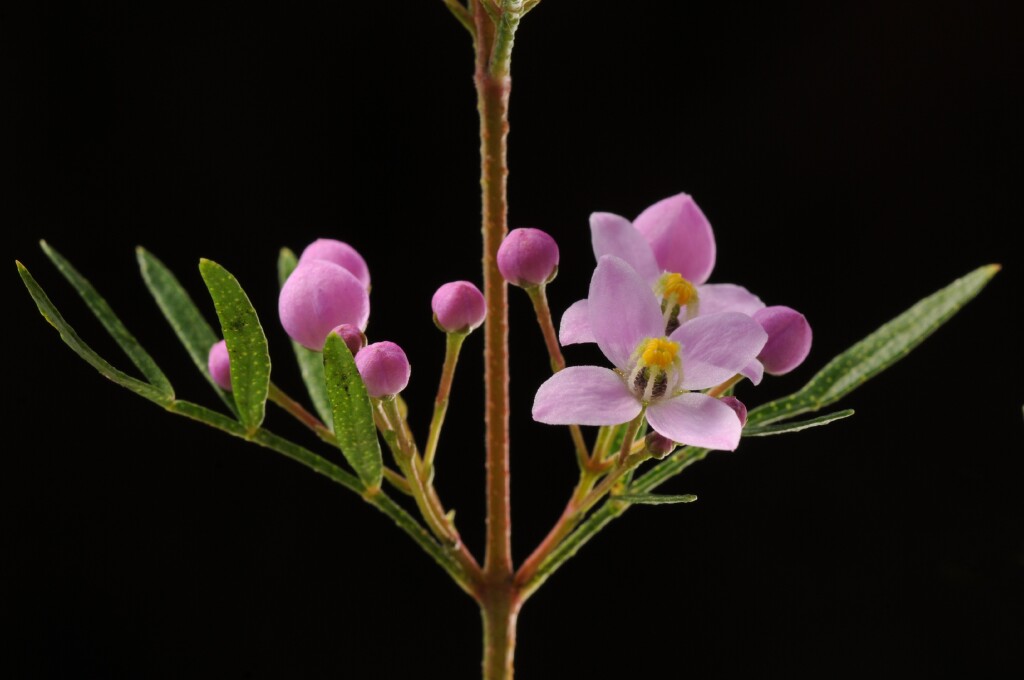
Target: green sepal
(247,345)
(311,364)
(783,428)
(876,352)
(353,414)
(75,342)
(189,324)
(117,330)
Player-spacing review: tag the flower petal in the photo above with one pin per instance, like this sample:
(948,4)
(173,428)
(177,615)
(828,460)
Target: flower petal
(623,310)
(789,338)
(575,326)
(697,420)
(615,235)
(585,395)
(717,347)
(716,298)
(754,371)
(680,237)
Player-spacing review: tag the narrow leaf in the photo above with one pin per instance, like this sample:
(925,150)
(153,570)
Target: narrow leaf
(311,364)
(655,499)
(247,345)
(117,330)
(876,352)
(353,414)
(181,312)
(72,339)
(782,428)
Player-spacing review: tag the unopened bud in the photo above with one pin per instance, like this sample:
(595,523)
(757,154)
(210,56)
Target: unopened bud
(658,445)
(318,297)
(738,406)
(354,338)
(220,365)
(789,338)
(528,257)
(459,307)
(384,367)
(341,254)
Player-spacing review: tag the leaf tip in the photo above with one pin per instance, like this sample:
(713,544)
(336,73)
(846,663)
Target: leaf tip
(22,269)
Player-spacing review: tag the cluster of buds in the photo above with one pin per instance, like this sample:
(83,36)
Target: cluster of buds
(328,292)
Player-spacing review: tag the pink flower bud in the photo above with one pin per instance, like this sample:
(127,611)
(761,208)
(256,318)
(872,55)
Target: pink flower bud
(220,365)
(341,254)
(528,257)
(316,298)
(459,307)
(384,367)
(353,337)
(738,406)
(659,445)
(789,338)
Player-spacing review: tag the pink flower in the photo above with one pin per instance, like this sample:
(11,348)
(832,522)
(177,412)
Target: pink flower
(384,368)
(651,369)
(318,297)
(672,247)
(341,254)
(458,307)
(528,257)
(220,365)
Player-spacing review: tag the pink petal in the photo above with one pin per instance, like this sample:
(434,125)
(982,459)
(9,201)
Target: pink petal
(697,420)
(614,235)
(575,326)
(727,297)
(585,395)
(680,237)
(341,254)
(754,371)
(789,338)
(623,311)
(717,347)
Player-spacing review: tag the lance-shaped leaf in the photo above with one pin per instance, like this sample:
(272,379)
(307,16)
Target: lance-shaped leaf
(72,339)
(181,312)
(783,428)
(877,352)
(353,414)
(247,345)
(654,498)
(117,330)
(311,364)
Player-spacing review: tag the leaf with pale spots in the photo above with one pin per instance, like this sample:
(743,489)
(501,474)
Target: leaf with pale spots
(311,364)
(247,345)
(876,352)
(75,342)
(189,324)
(117,330)
(783,428)
(654,498)
(353,414)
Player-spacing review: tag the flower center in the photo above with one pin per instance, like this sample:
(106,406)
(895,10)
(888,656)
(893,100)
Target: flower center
(655,363)
(679,300)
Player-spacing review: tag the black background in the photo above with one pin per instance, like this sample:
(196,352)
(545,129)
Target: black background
(852,160)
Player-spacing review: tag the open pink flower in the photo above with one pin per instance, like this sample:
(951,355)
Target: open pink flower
(651,369)
(672,248)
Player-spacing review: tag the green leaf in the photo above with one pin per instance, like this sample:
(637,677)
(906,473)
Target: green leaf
(72,339)
(353,414)
(654,499)
(311,364)
(181,312)
(117,330)
(877,352)
(782,428)
(247,345)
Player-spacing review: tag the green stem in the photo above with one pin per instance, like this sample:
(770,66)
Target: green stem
(500,611)
(299,412)
(539,298)
(443,556)
(453,345)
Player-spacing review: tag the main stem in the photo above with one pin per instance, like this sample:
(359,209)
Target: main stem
(499,601)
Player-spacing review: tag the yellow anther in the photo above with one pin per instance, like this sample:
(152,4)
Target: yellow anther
(675,286)
(659,352)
